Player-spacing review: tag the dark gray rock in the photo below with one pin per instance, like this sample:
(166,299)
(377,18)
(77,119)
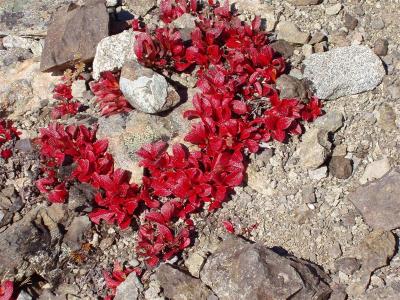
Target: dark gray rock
(305,2)
(347,265)
(381,47)
(74,34)
(75,232)
(240,270)
(178,285)
(340,167)
(343,71)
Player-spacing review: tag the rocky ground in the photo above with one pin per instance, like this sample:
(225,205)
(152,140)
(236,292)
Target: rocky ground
(326,203)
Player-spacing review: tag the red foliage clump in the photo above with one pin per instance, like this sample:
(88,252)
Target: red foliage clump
(63,93)
(7,133)
(7,290)
(109,96)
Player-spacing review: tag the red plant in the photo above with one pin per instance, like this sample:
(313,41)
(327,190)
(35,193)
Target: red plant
(7,133)
(173,9)
(109,96)
(7,290)
(63,93)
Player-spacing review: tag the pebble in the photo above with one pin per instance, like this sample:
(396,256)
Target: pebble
(347,265)
(394,91)
(377,23)
(381,47)
(350,22)
(334,9)
(283,47)
(320,47)
(319,173)
(375,170)
(340,167)
(307,50)
(288,31)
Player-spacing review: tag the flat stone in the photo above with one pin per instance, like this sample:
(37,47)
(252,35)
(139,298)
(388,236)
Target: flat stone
(74,34)
(140,7)
(78,88)
(381,47)
(331,121)
(314,148)
(283,47)
(113,51)
(387,118)
(74,236)
(181,286)
(305,2)
(146,90)
(333,9)
(379,201)
(195,263)
(343,71)
(240,270)
(290,87)
(12,41)
(347,265)
(350,22)
(289,32)
(375,170)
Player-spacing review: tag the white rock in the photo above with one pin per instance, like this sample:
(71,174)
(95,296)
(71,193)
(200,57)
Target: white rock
(375,170)
(35,46)
(78,88)
(319,173)
(333,9)
(129,289)
(146,90)
(113,51)
(314,148)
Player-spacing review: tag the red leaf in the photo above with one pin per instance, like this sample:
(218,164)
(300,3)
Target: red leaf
(228,226)
(6,290)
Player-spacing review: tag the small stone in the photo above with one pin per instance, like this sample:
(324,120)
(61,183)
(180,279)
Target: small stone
(57,212)
(350,22)
(113,51)
(307,50)
(290,32)
(314,148)
(74,34)
(111,3)
(377,23)
(379,202)
(319,173)
(347,265)
(320,47)
(129,288)
(317,38)
(387,118)
(343,71)
(333,9)
(283,47)
(335,250)
(305,2)
(308,194)
(194,263)
(381,47)
(394,91)
(146,90)
(340,167)
(331,122)
(290,87)
(75,232)
(140,7)
(35,46)
(78,88)
(375,170)
(180,286)
(340,150)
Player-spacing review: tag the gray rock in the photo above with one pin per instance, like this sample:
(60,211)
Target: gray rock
(113,51)
(375,170)
(74,236)
(27,17)
(289,32)
(78,88)
(331,122)
(283,47)
(394,91)
(240,270)
(340,167)
(307,50)
(140,7)
(24,296)
(13,41)
(379,201)
(146,90)
(195,263)
(129,289)
(343,71)
(333,9)
(381,47)
(305,2)
(377,23)
(178,285)
(387,118)
(347,265)
(74,34)
(11,56)
(317,38)
(314,148)
(290,87)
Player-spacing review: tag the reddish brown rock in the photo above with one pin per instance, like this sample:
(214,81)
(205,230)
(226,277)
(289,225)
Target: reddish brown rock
(74,34)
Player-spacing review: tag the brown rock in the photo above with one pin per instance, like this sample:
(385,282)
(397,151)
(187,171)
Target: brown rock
(140,7)
(240,270)
(283,47)
(74,34)
(381,47)
(305,2)
(178,285)
(290,87)
(340,167)
(347,265)
(379,201)
(350,22)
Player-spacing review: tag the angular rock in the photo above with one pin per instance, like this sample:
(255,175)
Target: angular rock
(331,122)
(129,289)
(305,2)
(113,51)
(347,265)
(178,285)
(195,263)
(333,9)
(340,167)
(13,41)
(314,148)
(260,8)
(379,201)
(350,22)
(381,47)
(288,31)
(240,270)
(74,34)
(140,7)
(283,47)
(387,118)
(290,87)
(74,236)
(376,250)
(146,90)
(375,170)
(78,88)
(343,71)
